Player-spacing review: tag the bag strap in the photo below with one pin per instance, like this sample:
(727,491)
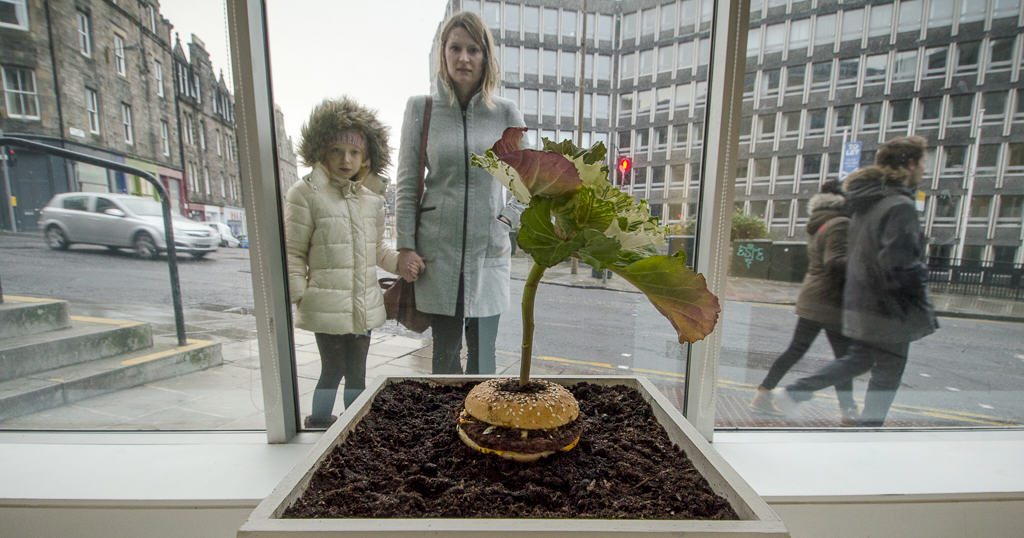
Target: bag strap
(427,108)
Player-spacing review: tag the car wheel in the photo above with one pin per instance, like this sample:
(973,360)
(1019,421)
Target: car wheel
(56,239)
(144,246)
(199,255)
(113,250)
(223,243)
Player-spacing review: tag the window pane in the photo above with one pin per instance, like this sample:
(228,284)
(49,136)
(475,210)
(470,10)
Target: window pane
(940,13)
(881,19)
(853,24)
(910,16)
(825,29)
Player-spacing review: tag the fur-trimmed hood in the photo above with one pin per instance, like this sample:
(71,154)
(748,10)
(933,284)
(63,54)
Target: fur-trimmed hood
(333,116)
(868,185)
(823,207)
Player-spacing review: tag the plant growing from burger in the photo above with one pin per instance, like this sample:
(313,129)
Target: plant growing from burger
(573,211)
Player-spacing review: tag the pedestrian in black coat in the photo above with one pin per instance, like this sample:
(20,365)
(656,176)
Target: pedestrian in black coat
(885,299)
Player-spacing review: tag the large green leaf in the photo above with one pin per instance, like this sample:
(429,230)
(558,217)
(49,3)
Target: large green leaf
(680,294)
(598,250)
(538,235)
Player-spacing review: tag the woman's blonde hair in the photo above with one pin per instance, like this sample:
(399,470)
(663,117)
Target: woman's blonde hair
(478,31)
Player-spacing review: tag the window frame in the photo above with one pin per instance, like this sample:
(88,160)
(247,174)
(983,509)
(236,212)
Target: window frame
(20,13)
(127,123)
(84,27)
(92,110)
(120,61)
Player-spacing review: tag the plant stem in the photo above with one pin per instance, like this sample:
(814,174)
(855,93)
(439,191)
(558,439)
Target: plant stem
(529,294)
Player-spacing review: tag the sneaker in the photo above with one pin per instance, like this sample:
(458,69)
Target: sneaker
(849,416)
(783,401)
(313,424)
(762,403)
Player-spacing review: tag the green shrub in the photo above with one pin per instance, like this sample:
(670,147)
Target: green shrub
(746,226)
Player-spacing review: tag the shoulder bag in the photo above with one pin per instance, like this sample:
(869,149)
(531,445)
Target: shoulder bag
(399,294)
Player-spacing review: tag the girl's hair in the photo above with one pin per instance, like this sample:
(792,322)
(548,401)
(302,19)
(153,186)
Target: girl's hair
(478,31)
(831,186)
(330,119)
(899,152)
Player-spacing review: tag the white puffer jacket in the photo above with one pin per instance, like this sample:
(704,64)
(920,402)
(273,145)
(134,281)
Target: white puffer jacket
(334,238)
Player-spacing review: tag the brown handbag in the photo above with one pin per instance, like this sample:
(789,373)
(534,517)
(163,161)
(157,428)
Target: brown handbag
(399,294)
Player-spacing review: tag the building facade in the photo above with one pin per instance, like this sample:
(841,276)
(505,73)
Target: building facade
(819,72)
(105,78)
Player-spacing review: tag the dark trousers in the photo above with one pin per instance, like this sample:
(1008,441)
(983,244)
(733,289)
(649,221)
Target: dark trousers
(804,335)
(341,356)
(886,363)
(481,335)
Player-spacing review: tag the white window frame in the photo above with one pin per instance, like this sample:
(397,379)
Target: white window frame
(120,65)
(84,34)
(20,13)
(92,108)
(126,123)
(19,92)
(165,137)
(151,12)
(158,75)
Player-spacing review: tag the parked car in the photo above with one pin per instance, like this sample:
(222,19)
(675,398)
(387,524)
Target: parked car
(120,221)
(227,239)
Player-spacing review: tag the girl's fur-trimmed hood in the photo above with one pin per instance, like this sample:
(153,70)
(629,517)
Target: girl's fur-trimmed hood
(333,116)
(870,184)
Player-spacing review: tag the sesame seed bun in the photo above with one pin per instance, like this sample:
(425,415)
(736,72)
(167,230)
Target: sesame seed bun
(542,407)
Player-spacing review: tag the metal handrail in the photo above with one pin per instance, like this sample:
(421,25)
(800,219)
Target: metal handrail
(165,204)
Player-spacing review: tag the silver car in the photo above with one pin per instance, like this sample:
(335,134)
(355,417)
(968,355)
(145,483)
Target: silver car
(120,221)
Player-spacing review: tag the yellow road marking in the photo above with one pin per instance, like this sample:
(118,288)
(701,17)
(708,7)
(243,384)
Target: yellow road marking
(107,321)
(726,383)
(24,299)
(192,344)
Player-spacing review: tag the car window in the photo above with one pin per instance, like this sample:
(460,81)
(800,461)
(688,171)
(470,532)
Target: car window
(103,204)
(144,207)
(77,203)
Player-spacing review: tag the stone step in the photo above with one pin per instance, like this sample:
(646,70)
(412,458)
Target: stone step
(69,384)
(88,339)
(22,316)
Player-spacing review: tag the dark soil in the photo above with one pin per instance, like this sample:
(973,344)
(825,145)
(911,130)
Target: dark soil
(404,460)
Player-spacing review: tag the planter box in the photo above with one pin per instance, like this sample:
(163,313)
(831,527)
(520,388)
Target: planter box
(757,519)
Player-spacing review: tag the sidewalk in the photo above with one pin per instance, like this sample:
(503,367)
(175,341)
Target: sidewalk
(754,290)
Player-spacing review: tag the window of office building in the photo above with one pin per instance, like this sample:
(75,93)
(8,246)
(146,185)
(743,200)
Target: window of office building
(531,19)
(955,158)
(981,207)
(880,20)
(816,120)
(684,56)
(550,21)
(629,28)
(1005,8)
(625,104)
(874,68)
(988,158)
(753,43)
(810,169)
(766,127)
(679,133)
(935,62)
(870,116)
(530,65)
(940,13)
(687,15)
(1011,207)
(602,105)
(821,75)
(961,109)
(646,62)
(627,67)
(511,19)
(605,24)
(791,125)
(569,23)
(663,99)
(994,103)
(1001,53)
(824,29)
(604,67)
(703,52)
(530,101)
(668,18)
(643,139)
(848,72)
(971,11)
(795,76)
(1016,156)
(549,102)
(770,82)
(648,22)
(568,65)
(904,66)
(799,34)
(684,95)
(774,38)
(910,16)
(666,58)
(550,63)
(853,25)
(899,112)
(780,211)
(842,118)
(510,63)
(567,104)
(644,102)
(786,170)
(492,15)
(967,57)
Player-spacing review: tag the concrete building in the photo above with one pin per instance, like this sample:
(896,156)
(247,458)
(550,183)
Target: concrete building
(817,71)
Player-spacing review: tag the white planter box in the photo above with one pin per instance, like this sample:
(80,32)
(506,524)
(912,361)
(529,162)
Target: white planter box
(757,519)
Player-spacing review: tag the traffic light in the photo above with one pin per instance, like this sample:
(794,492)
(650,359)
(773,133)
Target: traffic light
(11,156)
(624,166)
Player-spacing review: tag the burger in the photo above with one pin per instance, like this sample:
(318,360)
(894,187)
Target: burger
(521,423)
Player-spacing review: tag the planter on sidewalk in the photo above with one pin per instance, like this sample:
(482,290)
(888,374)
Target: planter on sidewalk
(754,516)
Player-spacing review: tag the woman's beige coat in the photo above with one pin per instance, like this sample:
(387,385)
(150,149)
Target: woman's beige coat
(334,239)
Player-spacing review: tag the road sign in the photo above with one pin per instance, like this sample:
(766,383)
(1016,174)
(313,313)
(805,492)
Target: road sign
(851,158)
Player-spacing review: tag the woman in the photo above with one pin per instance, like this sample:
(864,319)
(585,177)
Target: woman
(463,230)
(820,302)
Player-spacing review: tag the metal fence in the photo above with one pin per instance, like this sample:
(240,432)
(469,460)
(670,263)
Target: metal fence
(974,277)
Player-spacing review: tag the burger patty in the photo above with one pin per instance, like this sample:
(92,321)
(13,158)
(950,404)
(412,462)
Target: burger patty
(511,439)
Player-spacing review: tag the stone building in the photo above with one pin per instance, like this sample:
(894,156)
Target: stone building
(92,77)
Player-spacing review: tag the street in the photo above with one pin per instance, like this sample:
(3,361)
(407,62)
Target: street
(970,372)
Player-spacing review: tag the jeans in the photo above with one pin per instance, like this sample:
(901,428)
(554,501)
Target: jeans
(804,335)
(886,363)
(341,356)
(481,335)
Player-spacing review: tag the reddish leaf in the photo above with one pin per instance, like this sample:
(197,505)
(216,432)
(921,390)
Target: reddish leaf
(543,173)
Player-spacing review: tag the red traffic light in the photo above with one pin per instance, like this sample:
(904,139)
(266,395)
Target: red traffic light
(625,165)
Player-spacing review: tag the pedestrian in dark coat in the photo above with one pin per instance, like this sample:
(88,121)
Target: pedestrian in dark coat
(819,304)
(885,300)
